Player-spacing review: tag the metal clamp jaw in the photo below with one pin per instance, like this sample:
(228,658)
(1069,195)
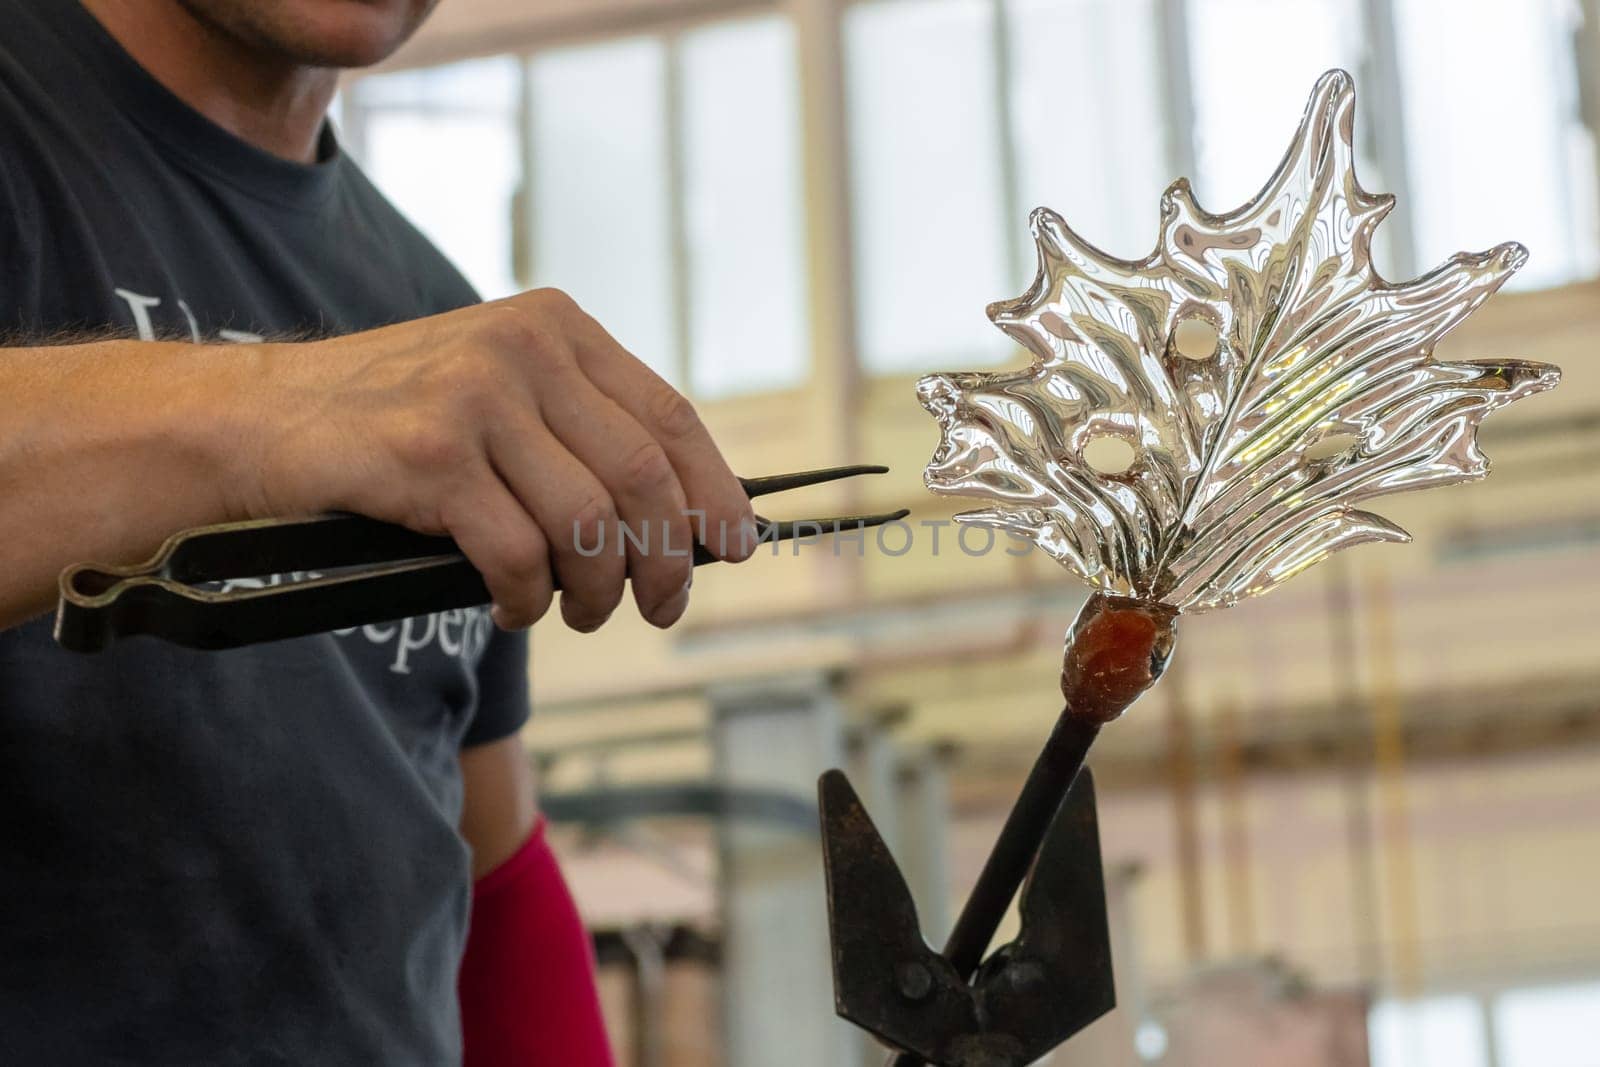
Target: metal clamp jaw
(1026,998)
(958,1008)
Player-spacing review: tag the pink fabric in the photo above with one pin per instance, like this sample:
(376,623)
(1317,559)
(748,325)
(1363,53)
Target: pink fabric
(527,986)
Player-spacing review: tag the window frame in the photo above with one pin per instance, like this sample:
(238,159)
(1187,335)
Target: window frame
(669,32)
(1380,79)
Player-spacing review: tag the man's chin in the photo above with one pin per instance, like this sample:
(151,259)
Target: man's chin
(317,33)
(350,33)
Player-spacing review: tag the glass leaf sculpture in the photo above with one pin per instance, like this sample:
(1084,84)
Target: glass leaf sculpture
(1312,388)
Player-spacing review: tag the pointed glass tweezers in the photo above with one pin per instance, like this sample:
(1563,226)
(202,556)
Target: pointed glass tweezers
(330,572)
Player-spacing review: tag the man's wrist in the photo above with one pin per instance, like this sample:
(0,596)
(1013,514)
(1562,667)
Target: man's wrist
(201,416)
(233,414)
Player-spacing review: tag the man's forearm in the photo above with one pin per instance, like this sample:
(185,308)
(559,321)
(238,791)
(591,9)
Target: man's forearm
(520,428)
(106,448)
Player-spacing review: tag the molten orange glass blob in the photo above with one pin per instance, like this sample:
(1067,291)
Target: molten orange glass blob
(1116,649)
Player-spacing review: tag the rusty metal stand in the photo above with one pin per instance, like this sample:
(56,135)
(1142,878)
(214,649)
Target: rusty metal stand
(958,1009)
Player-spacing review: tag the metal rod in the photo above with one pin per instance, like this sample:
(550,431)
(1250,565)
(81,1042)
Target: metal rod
(1115,651)
(1046,787)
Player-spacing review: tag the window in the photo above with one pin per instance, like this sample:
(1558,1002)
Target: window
(1087,118)
(1493,136)
(928,203)
(1253,63)
(443,144)
(602,192)
(667,200)
(1447,1031)
(663,188)
(1549,1027)
(744,229)
(1249,88)
(659,175)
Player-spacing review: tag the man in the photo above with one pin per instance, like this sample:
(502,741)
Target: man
(253,856)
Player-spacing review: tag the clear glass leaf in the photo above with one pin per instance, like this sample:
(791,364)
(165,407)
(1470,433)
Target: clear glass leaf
(1319,391)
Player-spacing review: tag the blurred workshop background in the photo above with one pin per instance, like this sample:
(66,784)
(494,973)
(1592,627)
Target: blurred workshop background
(1359,821)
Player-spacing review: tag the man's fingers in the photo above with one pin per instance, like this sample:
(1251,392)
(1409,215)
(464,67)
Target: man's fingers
(584,452)
(709,486)
(641,480)
(575,511)
(506,547)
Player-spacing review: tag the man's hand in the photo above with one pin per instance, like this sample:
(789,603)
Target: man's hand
(521,429)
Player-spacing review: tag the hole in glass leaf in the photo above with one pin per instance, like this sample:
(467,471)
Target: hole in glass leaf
(1325,448)
(1108,455)
(1195,339)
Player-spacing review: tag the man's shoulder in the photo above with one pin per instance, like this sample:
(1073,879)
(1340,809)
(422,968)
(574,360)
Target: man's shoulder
(45,76)
(55,116)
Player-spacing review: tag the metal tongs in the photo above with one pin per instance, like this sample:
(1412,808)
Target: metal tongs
(356,571)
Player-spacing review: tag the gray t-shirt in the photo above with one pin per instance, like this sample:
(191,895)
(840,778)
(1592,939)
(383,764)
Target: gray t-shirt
(247,856)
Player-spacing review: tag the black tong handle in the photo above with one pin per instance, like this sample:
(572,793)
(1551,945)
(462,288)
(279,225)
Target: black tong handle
(403,573)
(375,571)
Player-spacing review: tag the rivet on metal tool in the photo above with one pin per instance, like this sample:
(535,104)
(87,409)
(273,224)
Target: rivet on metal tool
(915,981)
